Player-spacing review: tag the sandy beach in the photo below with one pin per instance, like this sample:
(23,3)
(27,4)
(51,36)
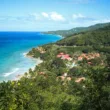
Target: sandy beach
(38,61)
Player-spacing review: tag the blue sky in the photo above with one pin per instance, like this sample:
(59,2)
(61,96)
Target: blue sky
(45,15)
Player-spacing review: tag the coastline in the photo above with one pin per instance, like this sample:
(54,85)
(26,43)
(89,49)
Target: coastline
(38,61)
(54,35)
(19,69)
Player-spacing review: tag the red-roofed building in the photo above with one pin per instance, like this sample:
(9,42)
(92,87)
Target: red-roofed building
(64,56)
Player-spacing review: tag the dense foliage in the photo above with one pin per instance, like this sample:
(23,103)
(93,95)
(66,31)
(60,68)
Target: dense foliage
(92,38)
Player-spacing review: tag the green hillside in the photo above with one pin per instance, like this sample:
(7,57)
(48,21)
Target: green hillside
(97,37)
(70,32)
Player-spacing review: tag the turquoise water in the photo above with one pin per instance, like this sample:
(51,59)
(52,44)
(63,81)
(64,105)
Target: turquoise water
(14,46)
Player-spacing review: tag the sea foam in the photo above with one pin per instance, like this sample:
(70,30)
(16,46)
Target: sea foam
(24,54)
(12,72)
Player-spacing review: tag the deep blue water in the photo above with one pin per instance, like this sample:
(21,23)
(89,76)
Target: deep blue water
(13,46)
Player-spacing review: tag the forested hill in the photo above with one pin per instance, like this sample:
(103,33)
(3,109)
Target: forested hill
(67,33)
(97,37)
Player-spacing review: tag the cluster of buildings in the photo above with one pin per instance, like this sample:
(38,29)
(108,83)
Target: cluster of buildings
(64,56)
(80,58)
(67,57)
(88,56)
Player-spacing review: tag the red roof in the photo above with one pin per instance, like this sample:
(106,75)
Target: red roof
(59,56)
(67,55)
(63,56)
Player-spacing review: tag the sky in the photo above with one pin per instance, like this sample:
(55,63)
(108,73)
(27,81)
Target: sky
(47,15)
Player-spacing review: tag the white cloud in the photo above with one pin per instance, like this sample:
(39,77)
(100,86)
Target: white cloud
(53,16)
(77,16)
(46,15)
(56,16)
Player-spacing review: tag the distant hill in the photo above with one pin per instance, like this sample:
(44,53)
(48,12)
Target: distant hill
(94,37)
(66,33)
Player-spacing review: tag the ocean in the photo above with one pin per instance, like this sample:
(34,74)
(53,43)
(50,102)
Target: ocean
(13,48)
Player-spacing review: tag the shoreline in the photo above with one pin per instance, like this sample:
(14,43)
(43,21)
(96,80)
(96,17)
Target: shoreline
(38,61)
(54,35)
(17,75)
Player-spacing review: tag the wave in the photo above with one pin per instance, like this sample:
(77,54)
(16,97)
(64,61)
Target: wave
(9,73)
(24,54)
